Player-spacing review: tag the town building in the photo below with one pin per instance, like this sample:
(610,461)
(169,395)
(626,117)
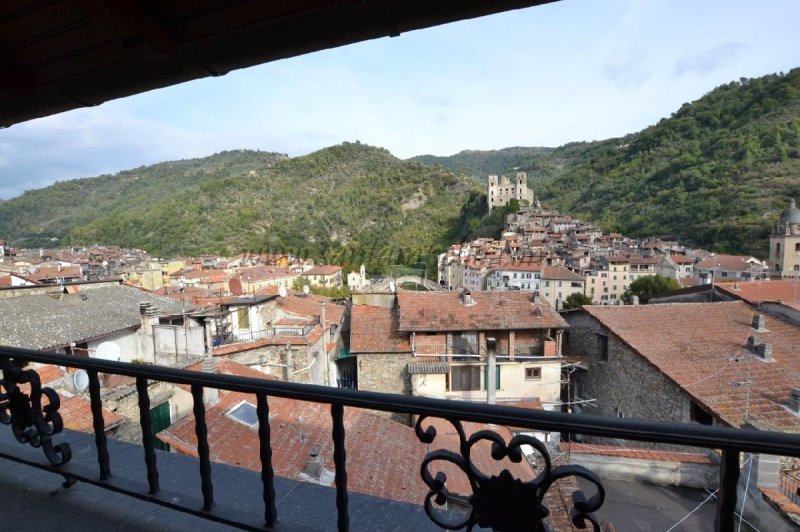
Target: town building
(437,344)
(784,243)
(503,189)
(720,268)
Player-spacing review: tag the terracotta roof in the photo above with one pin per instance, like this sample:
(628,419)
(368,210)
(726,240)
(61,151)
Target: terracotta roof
(517,266)
(632,452)
(682,259)
(374,330)
(66,272)
(726,262)
(618,258)
(758,291)
(560,273)
(263,273)
(310,306)
(383,456)
(76,412)
(702,348)
(643,260)
(445,311)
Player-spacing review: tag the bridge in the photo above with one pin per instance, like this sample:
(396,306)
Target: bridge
(382,285)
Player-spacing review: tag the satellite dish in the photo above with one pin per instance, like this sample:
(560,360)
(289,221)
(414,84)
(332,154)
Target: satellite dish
(235,286)
(107,351)
(392,287)
(305,289)
(282,291)
(80,380)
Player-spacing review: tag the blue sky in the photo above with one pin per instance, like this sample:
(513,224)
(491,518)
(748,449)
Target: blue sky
(568,71)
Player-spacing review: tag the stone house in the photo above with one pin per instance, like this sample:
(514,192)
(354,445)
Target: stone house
(436,344)
(707,363)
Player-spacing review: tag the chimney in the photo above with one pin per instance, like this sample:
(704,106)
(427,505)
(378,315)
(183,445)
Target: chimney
(210,395)
(758,323)
(536,299)
(491,365)
(559,304)
(794,400)
(466,298)
(634,300)
(764,351)
(315,465)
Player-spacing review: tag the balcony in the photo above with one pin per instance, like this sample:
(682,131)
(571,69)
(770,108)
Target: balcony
(147,485)
(270,332)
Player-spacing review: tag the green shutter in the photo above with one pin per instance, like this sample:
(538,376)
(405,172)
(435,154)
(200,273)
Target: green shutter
(160,420)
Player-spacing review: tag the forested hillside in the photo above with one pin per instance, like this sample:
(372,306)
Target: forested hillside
(479,164)
(716,173)
(345,204)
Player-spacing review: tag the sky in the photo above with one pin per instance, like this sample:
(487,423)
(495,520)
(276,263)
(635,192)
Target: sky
(574,70)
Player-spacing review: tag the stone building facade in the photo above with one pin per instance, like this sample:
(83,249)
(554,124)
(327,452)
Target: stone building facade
(784,244)
(503,189)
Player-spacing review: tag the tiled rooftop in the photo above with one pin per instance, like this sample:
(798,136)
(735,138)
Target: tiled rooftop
(702,348)
(787,291)
(446,311)
(374,330)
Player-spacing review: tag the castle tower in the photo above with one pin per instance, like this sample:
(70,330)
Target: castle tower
(784,243)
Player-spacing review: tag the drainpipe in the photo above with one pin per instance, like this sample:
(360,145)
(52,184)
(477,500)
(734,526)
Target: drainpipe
(491,365)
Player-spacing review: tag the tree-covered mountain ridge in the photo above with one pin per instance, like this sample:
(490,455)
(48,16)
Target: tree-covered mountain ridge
(716,173)
(347,204)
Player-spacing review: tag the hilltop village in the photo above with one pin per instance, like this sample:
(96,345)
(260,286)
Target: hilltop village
(498,324)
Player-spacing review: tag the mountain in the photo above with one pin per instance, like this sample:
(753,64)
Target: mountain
(479,164)
(716,173)
(345,204)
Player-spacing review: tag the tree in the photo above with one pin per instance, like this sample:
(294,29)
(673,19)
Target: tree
(649,285)
(576,300)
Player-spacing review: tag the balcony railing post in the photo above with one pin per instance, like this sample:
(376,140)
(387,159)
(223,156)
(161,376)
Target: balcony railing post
(728,484)
(99,425)
(147,434)
(203,451)
(267,474)
(340,461)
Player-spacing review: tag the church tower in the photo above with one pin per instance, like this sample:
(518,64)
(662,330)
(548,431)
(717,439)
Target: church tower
(784,243)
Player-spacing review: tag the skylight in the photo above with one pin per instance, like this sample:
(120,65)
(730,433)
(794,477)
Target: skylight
(244,413)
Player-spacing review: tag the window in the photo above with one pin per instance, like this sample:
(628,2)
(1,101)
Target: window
(243,318)
(796,247)
(465,378)
(698,415)
(620,414)
(533,373)
(797,267)
(603,347)
(777,249)
(244,413)
(724,274)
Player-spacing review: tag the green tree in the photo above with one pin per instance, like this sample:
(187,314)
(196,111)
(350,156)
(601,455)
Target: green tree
(649,285)
(576,300)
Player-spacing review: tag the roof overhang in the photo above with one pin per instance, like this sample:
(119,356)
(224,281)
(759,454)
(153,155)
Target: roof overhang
(62,55)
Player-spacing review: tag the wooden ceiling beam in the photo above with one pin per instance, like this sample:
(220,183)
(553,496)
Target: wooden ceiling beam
(126,22)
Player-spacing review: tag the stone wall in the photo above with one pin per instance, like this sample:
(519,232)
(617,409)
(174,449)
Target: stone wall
(625,383)
(387,373)
(125,402)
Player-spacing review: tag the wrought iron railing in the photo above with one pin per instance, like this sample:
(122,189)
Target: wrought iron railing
(499,502)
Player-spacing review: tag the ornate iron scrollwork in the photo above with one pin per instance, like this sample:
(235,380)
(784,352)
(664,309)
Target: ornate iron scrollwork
(31,422)
(502,502)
